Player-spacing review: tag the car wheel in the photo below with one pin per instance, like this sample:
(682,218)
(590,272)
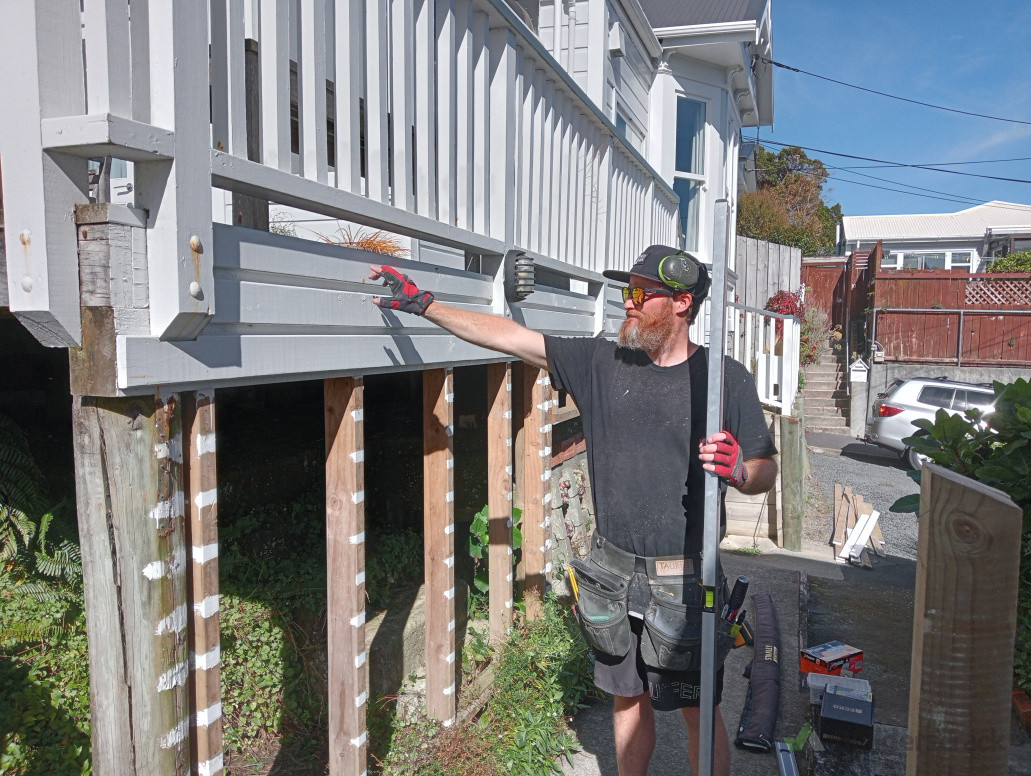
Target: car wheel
(914,459)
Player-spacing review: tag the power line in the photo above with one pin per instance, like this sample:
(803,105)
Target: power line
(947,198)
(894,96)
(936,164)
(898,164)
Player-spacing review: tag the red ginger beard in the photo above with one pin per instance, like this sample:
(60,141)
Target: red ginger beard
(649,331)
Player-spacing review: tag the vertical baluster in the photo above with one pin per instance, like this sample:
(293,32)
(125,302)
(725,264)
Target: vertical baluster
(464,134)
(528,150)
(425,108)
(219,25)
(348,36)
(537,209)
(139,46)
(237,92)
(402,107)
(502,138)
(558,182)
(312,75)
(275,84)
(579,219)
(547,164)
(377,84)
(481,122)
(106,50)
(447,86)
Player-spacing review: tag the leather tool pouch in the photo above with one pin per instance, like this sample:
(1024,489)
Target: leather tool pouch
(601,607)
(672,637)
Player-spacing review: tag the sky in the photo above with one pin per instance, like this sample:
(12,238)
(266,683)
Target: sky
(971,56)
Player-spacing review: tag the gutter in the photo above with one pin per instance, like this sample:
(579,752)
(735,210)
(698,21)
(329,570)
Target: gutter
(696,34)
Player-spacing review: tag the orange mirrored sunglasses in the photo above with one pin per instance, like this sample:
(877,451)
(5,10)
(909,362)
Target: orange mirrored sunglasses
(639,294)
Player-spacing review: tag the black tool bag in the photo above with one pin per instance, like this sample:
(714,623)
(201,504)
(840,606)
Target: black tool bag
(759,717)
(601,607)
(672,637)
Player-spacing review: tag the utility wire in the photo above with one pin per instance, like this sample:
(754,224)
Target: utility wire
(893,96)
(935,164)
(898,164)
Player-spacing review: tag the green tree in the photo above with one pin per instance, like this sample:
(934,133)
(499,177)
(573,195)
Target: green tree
(789,207)
(1014,262)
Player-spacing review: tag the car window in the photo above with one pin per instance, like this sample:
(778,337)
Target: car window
(936,396)
(966,400)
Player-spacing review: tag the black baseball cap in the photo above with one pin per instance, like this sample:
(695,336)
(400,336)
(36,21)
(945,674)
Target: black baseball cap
(675,269)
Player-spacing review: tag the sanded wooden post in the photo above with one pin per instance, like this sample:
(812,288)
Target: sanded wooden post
(205,680)
(439,542)
(792,439)
(964,622)
(129,494)
(499,498)
(537,493)
(345,574)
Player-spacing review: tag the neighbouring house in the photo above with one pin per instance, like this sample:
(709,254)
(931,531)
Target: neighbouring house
(543,141)
(965,241)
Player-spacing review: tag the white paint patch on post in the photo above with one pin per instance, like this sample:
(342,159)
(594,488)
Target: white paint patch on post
(358,415)
(359,579)
(207,607)
(359,660)
(168,508)
(450,658)
(360,700)
(205,553)
(174,677)
(449,561)
(358,456)
(450,496)
(358,538)
(210,767)
(450,689)
(449,529)
(360,740)
(206,498)
(172,449)
(206,444)
(358,497)
(449,593)
(209,715)
(173,623)
(359,619)
(206,661)
(175,736)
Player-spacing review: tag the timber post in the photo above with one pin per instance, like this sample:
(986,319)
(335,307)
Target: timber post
(129,494)
(345,574)
(792,467)
(439,543)
(964,623)
(201,489)
(537,489)
(499,498)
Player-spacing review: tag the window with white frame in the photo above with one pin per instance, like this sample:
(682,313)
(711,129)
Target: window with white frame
(961,261)
(689,166)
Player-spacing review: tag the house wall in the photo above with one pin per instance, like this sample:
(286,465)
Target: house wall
(973,244)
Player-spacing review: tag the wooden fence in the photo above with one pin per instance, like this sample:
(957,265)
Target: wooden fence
(764,268)
(964,623)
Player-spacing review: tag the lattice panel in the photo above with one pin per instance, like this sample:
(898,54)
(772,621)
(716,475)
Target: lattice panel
(998,292)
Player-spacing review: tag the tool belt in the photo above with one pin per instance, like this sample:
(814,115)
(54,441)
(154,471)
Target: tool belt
(668,590)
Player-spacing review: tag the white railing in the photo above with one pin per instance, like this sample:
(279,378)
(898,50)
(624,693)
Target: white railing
(769,345)
(447,121)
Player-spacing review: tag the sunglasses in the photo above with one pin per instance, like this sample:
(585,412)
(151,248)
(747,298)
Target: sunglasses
(639,294)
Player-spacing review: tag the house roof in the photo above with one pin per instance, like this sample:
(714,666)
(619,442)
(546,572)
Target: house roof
(971,223)
(677,13)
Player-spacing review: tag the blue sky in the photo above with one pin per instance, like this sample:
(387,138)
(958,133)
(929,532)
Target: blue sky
(971,56)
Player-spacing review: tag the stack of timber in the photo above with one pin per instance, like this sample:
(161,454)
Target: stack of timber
(856,536)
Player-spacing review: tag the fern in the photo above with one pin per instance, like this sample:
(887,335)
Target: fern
(21,482)
(63,562)
(17,530)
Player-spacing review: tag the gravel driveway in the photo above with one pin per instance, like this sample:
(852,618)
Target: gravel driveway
(880,477)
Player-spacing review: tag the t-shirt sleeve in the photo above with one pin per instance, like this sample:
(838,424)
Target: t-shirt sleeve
(743,413)
(569,362)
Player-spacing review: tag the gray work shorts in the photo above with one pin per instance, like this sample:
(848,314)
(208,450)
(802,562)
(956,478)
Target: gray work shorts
(629,677)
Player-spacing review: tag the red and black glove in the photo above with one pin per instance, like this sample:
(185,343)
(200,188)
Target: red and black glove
(405,295)
(727,461)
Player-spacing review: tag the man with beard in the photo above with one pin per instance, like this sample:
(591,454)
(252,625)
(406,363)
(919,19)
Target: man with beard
(642,401)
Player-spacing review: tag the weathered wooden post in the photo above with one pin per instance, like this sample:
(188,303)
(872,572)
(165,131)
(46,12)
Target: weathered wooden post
(345,572)
(129,493)
(792,440)
(537,490)
(499,498)
(439,542)
(964,622)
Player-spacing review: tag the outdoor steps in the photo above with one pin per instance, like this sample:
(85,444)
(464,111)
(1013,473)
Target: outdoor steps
(826,397)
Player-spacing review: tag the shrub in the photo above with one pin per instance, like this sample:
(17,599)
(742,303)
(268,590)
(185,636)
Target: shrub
(995,449)
(815,326)
(1014,262)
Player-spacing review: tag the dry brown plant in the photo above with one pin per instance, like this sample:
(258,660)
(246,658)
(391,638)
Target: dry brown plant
(359,238)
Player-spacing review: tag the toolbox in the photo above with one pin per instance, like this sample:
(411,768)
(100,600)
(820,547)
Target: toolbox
(845,719)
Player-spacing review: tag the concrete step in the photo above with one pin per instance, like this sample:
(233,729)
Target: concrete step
(827,428)
(817,384)
(822,393)
(825,369)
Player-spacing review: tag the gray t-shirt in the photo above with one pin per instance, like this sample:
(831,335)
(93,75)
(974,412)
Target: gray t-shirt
(643,424)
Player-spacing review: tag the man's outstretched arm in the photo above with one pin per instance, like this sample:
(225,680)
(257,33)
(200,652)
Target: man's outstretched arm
(484,329)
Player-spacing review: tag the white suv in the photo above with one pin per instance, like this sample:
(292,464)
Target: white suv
(919,397)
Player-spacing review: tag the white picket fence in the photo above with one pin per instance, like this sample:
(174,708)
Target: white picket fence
(444,120)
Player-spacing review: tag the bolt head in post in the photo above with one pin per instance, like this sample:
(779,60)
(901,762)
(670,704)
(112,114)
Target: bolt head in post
(196,245)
